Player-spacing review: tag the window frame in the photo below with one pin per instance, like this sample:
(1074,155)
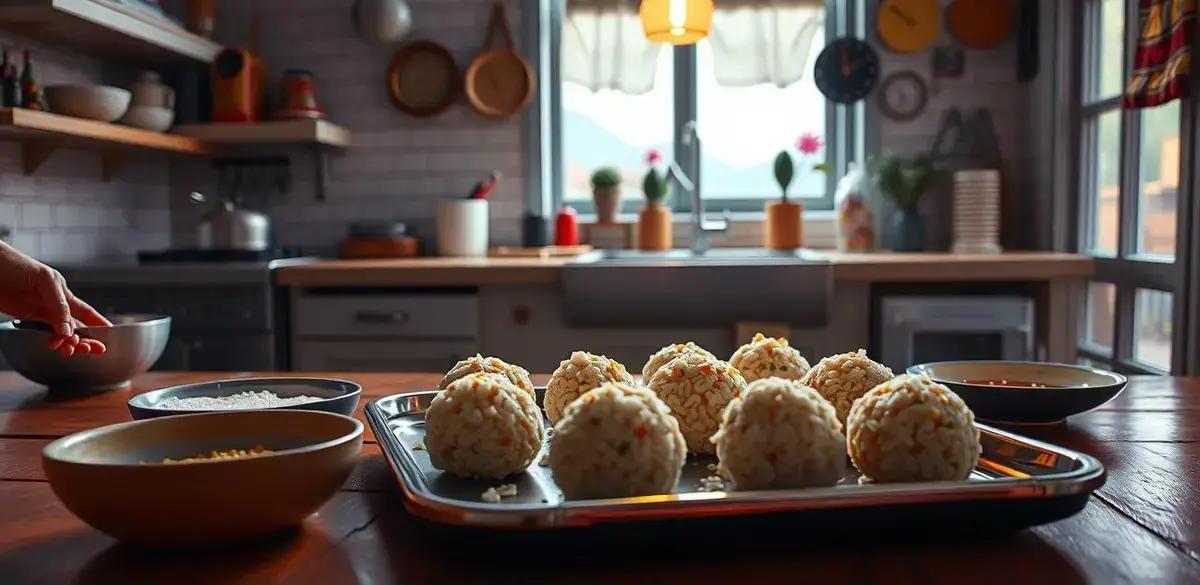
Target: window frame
(843,139)
(1127,269)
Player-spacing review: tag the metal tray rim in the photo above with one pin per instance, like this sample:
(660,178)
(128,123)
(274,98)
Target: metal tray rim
(1090,475)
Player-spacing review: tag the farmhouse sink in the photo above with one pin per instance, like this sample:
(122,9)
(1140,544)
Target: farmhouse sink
(621,288)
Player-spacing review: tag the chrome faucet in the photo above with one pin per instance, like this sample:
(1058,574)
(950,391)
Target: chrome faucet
(690,181)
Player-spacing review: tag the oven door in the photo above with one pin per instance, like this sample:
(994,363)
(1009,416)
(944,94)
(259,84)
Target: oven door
(916,330)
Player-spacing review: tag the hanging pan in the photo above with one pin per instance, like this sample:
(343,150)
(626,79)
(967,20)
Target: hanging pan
(499,82)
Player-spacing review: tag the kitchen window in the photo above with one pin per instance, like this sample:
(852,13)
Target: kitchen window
(1131,191)
(619,112)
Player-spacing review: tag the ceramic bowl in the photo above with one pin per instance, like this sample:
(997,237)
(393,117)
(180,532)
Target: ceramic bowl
(114,479)
(337,396)
(94,102)
(134,343)
(1064,389)
(152,118)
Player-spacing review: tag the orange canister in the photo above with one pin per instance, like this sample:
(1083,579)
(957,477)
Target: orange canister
(237,86)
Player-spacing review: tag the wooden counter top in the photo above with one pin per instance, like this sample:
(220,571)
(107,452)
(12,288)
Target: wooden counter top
(422,272)
(847,267)
(1140,527)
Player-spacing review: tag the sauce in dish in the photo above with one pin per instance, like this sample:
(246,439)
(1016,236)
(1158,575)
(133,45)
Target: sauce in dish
(1009,383)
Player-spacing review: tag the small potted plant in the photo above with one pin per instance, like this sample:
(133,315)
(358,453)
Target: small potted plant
(654,221)
(606,193)
(904,181)
(785,223)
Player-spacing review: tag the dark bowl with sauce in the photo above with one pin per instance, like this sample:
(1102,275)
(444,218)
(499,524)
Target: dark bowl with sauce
(1025,392)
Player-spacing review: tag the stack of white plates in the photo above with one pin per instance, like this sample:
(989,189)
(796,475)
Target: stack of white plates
(977,211)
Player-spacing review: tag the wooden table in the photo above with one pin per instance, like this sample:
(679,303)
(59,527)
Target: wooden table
(1142,526)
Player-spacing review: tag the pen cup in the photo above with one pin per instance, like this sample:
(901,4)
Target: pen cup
(462,227)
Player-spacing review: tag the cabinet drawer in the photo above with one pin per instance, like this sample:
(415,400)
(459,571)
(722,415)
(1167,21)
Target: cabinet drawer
(380,356)
(394,316)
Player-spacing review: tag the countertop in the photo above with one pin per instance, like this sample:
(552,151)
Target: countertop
(847,267)
(1142,526)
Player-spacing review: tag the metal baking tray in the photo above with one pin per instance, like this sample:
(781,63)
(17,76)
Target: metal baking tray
(1018,482)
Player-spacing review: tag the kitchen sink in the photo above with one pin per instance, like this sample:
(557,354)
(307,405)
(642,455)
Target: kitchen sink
(679,288)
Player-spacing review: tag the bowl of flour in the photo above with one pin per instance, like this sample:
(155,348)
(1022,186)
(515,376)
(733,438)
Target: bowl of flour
(324,394)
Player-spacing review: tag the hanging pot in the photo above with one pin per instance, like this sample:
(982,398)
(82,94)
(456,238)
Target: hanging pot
(499,82)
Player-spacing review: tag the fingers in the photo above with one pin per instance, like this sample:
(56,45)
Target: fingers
(85,313)
(53,289)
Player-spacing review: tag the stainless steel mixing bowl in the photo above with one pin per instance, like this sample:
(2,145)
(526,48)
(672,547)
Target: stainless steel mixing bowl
(134,343)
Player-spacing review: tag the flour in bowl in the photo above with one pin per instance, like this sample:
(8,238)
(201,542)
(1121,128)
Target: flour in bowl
(240,401)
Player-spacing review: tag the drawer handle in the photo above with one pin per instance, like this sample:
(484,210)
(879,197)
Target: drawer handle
(381,317)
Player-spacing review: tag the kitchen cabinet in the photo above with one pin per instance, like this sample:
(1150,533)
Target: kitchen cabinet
(383,329)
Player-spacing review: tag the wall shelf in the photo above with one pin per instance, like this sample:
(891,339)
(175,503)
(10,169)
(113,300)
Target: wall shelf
(105,28)
(41,133)
(300,132)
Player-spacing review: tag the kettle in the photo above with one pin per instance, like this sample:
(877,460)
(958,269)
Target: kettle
(226,227)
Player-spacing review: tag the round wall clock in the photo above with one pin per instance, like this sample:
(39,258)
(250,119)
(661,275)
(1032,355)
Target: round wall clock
(846,70)
(903,96)
(908,26)
(981,24)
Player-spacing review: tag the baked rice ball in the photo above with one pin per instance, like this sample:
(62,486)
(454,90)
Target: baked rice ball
(574,376)
(614,441)
(482,425)
(489,365)
(697,389)
(780,434)
(911,428)
(844,378)
(766,357)
(668,353)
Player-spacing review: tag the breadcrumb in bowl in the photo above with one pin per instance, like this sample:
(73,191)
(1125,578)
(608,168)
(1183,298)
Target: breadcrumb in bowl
(841,379)
(780,434)
(697,389)
(769,357)
(483,426)
(617,440)
(911,428)
(576,375)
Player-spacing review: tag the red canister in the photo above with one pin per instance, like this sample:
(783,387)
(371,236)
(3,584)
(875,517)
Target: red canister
(566,227)
(298,96)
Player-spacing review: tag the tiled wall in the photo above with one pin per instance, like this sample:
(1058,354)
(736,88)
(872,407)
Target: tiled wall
(399,166)
(989,81)
(65,213)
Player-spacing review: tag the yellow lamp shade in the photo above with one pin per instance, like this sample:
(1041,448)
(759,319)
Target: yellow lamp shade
(678,22)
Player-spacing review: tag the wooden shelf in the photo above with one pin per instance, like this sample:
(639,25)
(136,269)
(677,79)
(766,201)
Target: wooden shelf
(105,28)
(315,132)
(41,133)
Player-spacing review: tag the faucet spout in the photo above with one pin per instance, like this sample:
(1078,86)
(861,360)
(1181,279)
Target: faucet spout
(689,180)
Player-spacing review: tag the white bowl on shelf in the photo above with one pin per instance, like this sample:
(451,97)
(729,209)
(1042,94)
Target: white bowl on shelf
(94,102)
(153,118)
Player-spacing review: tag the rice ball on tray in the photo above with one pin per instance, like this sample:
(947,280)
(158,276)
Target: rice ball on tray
(844,378)
(911,428)
(697,389)
(574,376)
(766,357)
(489,365)
(668,353)
(614,441)
(482,425)
(780,434)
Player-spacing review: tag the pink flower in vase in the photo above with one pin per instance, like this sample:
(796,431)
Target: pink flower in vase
(808,143)
(653,156)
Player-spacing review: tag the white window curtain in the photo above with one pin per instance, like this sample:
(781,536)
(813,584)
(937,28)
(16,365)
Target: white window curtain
(753,42)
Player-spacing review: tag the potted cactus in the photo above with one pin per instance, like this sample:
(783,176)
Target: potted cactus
(784,229)
(654,221)
(606,193)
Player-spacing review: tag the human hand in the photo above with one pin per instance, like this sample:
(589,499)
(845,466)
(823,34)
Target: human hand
(30,290)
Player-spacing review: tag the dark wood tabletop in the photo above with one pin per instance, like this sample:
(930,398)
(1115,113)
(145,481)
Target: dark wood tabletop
(1142,526)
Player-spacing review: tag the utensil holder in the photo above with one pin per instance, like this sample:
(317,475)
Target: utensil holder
(462,227)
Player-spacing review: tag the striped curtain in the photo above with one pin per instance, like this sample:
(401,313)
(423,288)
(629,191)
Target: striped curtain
(1163,55)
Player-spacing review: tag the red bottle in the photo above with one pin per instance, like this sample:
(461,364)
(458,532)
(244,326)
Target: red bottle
(566,227)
